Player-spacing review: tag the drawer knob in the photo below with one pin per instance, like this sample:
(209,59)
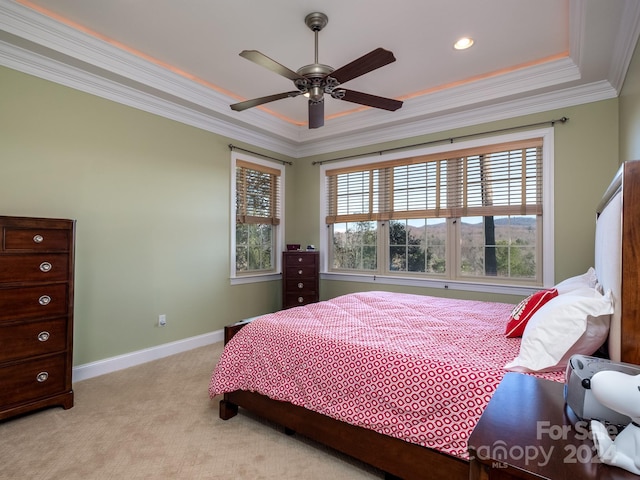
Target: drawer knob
(45,266)
(38,238)
(300,299)
(44,300)
(300,285)
(299,259)
(42,377)
(299,272)
(44,336)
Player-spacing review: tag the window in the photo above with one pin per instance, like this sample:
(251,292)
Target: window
(471,214)
(256,195)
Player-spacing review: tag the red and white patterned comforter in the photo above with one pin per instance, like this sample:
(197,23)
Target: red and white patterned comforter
(414,367)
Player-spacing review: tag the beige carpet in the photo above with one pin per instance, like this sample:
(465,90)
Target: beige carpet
(155,421)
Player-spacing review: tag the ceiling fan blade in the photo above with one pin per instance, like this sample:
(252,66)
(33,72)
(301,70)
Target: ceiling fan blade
(238,107)
(369,100)
(316,114)
(261,59)
(375,59)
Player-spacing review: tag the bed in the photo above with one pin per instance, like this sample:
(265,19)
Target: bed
(415,388)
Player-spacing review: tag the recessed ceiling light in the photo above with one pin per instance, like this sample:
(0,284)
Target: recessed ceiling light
(463,43)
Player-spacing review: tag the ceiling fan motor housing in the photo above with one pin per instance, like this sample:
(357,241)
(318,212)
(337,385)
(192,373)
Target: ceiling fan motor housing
(316,81)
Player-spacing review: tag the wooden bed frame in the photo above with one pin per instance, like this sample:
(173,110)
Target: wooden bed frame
(400,459)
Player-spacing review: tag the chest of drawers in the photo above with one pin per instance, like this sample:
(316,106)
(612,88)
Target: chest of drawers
(36,313)
(300,278)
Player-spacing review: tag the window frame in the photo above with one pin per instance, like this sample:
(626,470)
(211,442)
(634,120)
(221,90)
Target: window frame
(278,243)
(516,288)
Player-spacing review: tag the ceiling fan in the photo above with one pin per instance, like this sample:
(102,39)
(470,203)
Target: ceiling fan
(314,80)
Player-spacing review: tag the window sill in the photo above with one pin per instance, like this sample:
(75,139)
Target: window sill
(256,278)
(431,283)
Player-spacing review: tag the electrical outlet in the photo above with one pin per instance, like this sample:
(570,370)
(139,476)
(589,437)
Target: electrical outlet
(162,320)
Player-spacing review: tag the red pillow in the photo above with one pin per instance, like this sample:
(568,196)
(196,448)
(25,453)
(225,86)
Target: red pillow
(522,312)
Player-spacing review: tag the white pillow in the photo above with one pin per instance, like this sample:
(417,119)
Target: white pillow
(587,280)
(576,322)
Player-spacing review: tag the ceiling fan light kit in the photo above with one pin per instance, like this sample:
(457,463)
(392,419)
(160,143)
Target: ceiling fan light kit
(316,79)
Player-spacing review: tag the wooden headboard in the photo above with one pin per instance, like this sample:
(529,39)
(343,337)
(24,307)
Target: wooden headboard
(617,259)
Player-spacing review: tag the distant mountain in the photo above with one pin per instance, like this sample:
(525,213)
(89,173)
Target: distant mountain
(520,221)
(516,228)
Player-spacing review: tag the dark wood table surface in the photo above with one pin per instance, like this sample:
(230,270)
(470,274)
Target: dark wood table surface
(528,432)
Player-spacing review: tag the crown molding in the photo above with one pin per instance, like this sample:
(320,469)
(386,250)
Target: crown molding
(625,44)
(33,32)
(483,114)
(80,79)
(35,44)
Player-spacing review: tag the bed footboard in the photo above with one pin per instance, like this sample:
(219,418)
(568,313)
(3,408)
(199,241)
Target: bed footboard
(399,459)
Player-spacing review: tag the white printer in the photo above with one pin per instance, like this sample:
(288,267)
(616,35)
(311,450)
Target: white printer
(577,388)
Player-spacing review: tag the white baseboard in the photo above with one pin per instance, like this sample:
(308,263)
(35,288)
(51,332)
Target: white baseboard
(113,364)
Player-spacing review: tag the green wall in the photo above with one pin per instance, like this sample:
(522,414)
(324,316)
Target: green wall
(151,198)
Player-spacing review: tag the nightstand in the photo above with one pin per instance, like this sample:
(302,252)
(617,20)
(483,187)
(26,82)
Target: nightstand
(527,432)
